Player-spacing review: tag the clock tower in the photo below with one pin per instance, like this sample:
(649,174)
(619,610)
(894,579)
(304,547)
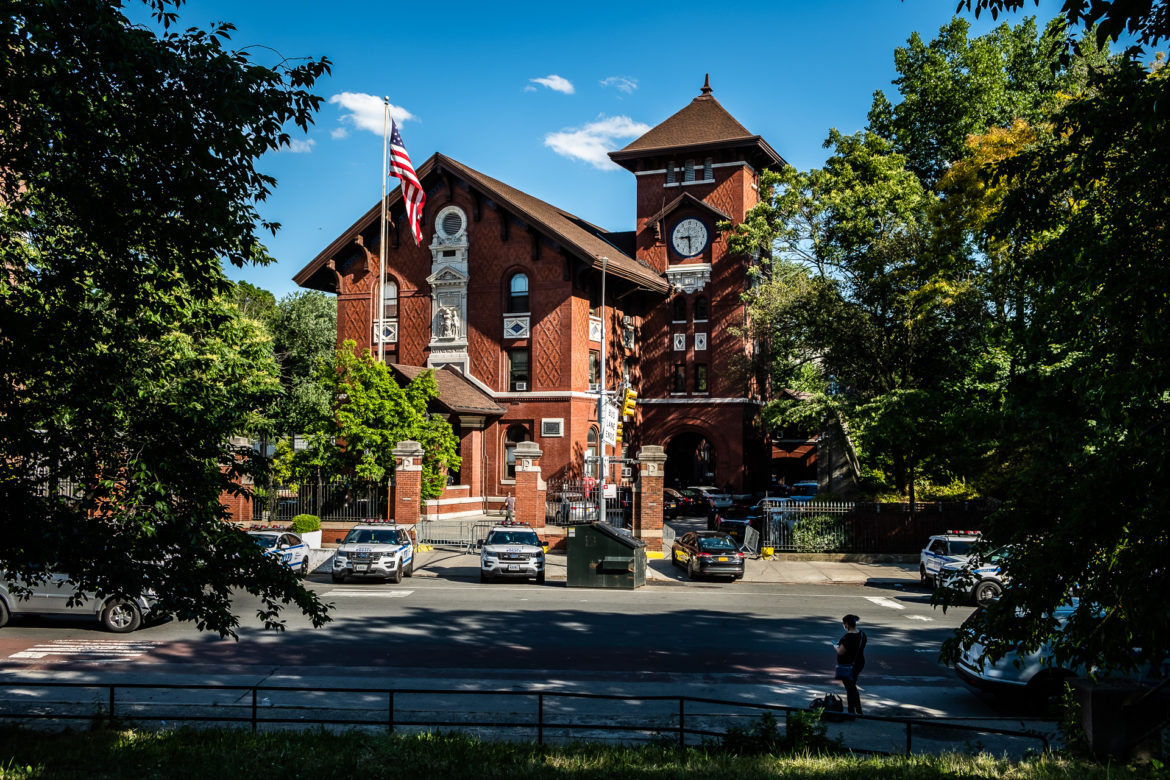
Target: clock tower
(698,395)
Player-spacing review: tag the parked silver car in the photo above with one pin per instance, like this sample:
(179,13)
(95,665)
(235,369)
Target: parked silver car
(54,597)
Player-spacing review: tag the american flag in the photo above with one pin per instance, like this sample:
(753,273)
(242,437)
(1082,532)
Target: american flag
(412,192)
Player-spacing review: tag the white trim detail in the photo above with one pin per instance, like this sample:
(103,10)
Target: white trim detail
(688,277)
(680,342)
(700,342)
(662,171)
(516,327)
(555,429)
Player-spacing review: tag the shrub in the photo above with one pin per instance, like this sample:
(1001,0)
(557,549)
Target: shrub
(304,523)
(819,533)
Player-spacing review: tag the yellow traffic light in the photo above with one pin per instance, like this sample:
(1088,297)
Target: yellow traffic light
(631,400)
(618,439)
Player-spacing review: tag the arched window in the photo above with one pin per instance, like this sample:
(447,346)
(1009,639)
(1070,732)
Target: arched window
(680,309)
(518,294)
(590,448)
(515,435)
(701,312)
(389,299)
(594,298)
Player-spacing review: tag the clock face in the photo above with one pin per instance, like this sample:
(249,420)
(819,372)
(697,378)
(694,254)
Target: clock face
(689,237)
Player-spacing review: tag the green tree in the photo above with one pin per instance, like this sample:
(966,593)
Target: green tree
(304,335)
(957,86)
(127,175)
(855,285)
(371,414)
(1087,399)
(255,302)
(1148,20)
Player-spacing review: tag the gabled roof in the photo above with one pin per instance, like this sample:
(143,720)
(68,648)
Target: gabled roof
(702,124)
(456,393)
(569,232)
(688,200)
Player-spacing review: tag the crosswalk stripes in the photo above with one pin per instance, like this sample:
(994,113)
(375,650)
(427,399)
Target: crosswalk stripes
(364,593)
(85,650)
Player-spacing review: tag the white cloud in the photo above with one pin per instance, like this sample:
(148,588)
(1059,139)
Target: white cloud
(592,142)
(301,146)
(338,133)
(364,112)
(555,83)
(622,83)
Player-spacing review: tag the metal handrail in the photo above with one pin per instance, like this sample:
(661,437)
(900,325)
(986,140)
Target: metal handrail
(392,722)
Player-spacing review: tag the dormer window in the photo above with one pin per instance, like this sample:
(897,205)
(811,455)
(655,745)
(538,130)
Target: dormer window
(689,171)
(708,164)
(670,172)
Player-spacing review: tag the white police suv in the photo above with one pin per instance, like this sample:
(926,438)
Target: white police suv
(286,547)
(979,581)
(952,547)
(375,548)
(511,551)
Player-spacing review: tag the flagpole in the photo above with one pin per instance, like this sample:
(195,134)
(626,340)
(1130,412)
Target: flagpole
(382,240)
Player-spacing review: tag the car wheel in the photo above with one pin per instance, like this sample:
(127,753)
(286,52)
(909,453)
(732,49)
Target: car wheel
(397,577)
(305,568)
(987,592)
(922,575)
(692,571)
(338,578)
(673,558)
(410,568)
(3,615)
(121,617)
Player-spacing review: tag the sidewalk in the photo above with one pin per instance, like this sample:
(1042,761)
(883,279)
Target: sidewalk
(451,564)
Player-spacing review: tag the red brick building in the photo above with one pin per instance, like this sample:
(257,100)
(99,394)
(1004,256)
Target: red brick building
(505,295)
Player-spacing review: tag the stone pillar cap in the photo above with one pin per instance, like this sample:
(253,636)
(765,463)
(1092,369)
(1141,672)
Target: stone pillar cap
(407,449)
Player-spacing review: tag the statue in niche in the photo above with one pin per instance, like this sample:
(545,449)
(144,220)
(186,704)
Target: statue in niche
(449,322)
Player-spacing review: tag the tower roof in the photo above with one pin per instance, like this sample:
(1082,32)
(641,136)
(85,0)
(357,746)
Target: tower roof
(702,124)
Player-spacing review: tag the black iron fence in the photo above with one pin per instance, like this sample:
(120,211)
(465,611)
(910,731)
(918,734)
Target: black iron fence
(337,500)
(845,527)
(542,716)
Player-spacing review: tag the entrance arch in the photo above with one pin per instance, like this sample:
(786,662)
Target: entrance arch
(690,460)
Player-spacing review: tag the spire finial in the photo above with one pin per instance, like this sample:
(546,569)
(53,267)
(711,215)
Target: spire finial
(706,90)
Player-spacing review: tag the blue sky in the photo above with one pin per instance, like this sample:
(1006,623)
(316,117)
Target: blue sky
(535,93)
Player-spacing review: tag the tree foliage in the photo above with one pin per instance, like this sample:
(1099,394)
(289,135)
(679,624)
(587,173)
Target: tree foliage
(1088,398)
(1148,20)
(371,414)
(127,174)
(304,333)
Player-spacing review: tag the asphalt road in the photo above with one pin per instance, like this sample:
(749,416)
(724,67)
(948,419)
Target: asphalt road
(726,640)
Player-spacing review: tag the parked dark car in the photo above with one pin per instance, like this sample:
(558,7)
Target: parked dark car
(708,554)
(692,503)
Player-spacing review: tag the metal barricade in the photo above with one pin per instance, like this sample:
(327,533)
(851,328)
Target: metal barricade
(462,534)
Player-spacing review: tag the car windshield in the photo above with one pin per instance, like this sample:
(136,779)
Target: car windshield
(267,541)
(513,537)
(800,489)
(372,536)
(961,547)
(714,543)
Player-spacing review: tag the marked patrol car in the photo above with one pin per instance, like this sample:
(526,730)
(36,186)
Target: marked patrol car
(511,550)
(982,584)
(286,547)
(952,547)
(375,548)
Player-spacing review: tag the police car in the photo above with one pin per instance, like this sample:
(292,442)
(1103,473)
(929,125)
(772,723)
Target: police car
(941,549)
(982,583)
(375,548)
(286,547)
(511,550)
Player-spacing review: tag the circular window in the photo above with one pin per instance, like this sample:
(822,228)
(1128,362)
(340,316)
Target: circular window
(451,222)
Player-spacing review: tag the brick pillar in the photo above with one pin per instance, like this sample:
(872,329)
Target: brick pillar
(530,487)
(648,517)
(407,482)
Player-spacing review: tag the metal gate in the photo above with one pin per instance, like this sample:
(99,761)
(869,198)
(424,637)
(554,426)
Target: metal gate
(459,534)
(575,502)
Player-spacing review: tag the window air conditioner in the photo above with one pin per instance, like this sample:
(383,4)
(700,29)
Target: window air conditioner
(520,386)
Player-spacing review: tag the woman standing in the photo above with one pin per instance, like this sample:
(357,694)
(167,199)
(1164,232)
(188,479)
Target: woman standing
(851,660)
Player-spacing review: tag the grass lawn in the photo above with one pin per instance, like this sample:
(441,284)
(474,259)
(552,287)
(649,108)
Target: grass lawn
(221,754)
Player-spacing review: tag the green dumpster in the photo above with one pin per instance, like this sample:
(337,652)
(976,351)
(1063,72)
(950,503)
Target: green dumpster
(601,556)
